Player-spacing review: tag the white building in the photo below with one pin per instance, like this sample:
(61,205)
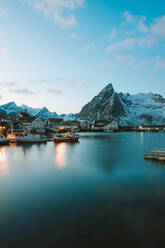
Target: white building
(113,125)
(40,125)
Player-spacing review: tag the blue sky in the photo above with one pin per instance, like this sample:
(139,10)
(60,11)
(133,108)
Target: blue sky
(60,53)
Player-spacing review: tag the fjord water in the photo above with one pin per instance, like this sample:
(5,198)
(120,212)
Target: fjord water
(99,192)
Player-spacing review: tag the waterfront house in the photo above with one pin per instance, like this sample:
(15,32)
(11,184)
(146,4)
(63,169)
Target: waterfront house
(151,128)
(37,125)
(105,126)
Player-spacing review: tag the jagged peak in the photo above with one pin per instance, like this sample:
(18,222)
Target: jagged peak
(109,87)
(45,109)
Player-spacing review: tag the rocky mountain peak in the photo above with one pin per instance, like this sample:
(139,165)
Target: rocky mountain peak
(106,93)
(126,109)
(44,109)
(108,88)
(103,106)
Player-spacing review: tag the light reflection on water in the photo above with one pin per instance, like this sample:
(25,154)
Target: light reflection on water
(79,195)
(60,156)
(4,169)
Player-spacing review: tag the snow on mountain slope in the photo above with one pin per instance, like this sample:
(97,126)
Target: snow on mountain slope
(45,113)
(143,109)
(139,109)
(30,110)
(10,108)
(126,109)
(69,117)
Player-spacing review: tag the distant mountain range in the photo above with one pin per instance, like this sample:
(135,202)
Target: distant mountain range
(12,109)
(126,109)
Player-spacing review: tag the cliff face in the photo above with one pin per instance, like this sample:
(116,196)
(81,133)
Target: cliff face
(139,109)
(104,106)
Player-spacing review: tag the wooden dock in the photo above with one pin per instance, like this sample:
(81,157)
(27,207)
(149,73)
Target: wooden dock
(156,154)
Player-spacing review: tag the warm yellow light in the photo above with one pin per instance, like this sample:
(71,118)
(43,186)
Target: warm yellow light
(4,170)
(60,157)
(11,136)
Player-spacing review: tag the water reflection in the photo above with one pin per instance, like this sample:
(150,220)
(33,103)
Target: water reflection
(157,163)
(103,152)
(106,192)
(26,148)
(60,157)
(141,138)
(4,169)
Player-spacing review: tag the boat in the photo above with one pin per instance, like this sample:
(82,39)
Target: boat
(68,137)
(4,141)
(156,154)
(30,139)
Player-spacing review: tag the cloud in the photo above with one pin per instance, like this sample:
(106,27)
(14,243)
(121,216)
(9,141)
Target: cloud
(5,52)
(142,27)
(91,47)
(147,41)
(59,81)
(71,83)
(60,12)
(22,91)
(157,62)
(130,43)
(120,61)
(158,28)
(123,44)
(128,16)
(113,34)
(55,92)
(128,59)
(136,20)
(7,84)
(138,34)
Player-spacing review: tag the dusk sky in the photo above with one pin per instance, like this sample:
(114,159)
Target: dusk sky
(60,53)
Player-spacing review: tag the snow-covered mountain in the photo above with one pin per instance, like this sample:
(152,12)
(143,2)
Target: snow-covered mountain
(44,113)
(12,109)
(69,117)
(139,109)
(31,111)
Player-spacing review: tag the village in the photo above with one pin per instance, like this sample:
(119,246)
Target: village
(23,123)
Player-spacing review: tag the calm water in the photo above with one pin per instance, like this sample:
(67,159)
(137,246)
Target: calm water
(99,192)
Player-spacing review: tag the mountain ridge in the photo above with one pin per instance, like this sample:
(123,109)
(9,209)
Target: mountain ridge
(11,108)
(126,109)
